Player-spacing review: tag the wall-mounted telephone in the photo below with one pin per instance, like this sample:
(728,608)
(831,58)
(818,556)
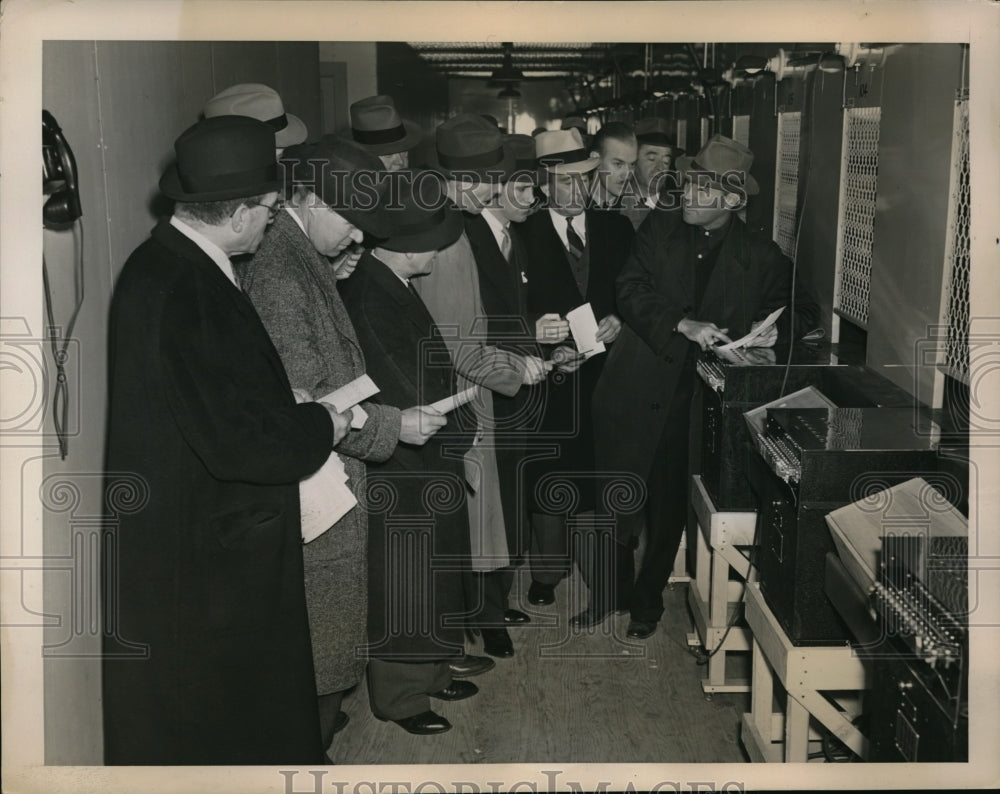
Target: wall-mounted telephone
(59,180)
(62,211)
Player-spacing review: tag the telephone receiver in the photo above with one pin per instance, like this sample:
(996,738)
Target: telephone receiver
(59,178)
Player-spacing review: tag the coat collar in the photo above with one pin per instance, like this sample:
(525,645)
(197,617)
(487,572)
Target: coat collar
(407,301)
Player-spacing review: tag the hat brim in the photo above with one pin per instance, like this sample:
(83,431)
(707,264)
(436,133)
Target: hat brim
(749,185)
(579,167)
(504,168)
(441,236)
(170,186)
(374,222)
(413,135)
(293,133)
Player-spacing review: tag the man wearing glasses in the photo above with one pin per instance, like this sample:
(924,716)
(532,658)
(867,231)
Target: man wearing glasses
(207,657)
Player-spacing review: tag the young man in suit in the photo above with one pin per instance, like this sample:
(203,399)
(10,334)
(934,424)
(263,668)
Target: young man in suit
(615,148)
(292,281)
(475,165)
(418,520)
(500,263)
(574,255)
(208,660)
(690,282)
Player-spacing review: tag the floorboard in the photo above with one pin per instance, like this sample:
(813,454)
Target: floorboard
(590,697)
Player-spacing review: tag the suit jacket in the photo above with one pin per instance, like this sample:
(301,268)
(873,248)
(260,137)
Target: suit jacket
(418,525)
(655,291)
(207,569)
(567,421)
(294,289)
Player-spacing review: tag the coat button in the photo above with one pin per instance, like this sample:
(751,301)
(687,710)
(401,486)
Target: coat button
(669,359)
(656,406)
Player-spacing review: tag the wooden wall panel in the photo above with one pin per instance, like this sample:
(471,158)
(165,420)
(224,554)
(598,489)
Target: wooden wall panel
(298,82)
(72,686)
(244,62)
(143,110)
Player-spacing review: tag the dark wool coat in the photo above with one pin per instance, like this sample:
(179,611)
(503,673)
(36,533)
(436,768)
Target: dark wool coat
(567,422)
(656,290)
(418,524)
(295,292)
(206,574)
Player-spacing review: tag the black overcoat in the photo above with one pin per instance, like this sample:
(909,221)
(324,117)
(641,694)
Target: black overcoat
(655,291)
(418,524)
(207,652)
(567,422)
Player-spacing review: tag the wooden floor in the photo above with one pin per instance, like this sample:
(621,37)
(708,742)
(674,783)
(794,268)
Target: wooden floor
(594,697)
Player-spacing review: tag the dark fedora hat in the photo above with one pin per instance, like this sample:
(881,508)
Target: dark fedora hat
(422,217)
(656,132)
(377,126)
(469,145)
(729,161)
(225,157)
(345,177)
(525,162)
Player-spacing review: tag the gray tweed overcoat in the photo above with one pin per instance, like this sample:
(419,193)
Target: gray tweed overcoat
(294,290)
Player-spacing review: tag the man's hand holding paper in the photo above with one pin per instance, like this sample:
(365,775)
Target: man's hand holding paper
(551,329)
(419,423)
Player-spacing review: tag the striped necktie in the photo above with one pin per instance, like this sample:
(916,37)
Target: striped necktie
(505,245)
(573,240)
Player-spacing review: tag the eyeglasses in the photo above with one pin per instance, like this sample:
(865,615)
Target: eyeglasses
(272,209)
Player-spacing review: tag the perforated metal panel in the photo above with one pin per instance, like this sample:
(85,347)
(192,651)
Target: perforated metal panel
(957,259)
(856,220)
(682,133)
(741,129)
(786,182)
(704,131)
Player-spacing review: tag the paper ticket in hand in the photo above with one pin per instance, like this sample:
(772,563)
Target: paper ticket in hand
(746,341)
(324,498)
(349,395)
(583,326)
(449,404)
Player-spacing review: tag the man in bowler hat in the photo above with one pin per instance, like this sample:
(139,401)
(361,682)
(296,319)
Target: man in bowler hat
(207,655)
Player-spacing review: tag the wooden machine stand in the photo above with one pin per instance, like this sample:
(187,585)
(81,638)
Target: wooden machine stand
(804,672)
(713,596)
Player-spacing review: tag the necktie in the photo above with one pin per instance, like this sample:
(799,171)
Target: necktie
(505,245)
(573,240)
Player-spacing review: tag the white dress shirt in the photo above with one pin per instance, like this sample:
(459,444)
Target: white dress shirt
(499,225)
(579,226)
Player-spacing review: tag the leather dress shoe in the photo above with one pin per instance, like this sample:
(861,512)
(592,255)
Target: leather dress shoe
(496,642)
(426,722)
(470,665)
(591,617)
(641,629)
(456,690)
(541,594)
(515,617)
